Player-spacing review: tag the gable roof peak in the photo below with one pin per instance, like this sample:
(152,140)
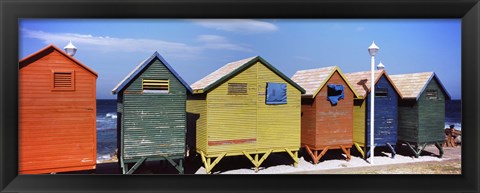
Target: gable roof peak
(133,74)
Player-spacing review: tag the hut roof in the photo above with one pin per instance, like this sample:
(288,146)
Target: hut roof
(412,85)
(230,70)
(32,57)
(313,80)
(361,81)
(144,64)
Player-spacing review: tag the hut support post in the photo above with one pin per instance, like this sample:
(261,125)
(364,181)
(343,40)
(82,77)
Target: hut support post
(207,161)
(440,149)
(360,150)
(256,162)
(178,166)
(392,149)
(346,151)
(415,149)
(294,156)
(139,162)
(315,156)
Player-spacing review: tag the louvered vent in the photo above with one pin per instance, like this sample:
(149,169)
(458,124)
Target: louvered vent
(237,88)
(63,81)
(155,86)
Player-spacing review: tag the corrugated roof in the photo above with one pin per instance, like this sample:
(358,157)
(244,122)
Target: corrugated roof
(313,80)
(412,85)
(25,61)
(219,73)
(233,68)
(120,86)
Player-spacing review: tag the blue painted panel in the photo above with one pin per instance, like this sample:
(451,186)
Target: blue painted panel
(386,115)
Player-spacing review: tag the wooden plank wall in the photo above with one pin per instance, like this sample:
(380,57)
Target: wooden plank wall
(359,113)
(408,120)
(334,123)
(278,126)
(308,123)
(154,123)
(232,119)
(431,115)
(386,115)
(244,122)
(57,129)
(197,123)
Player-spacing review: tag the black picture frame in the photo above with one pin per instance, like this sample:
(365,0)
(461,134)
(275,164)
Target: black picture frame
(11,11)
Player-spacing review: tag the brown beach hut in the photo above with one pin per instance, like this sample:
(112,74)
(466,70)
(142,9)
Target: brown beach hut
(327,111)
(57,112)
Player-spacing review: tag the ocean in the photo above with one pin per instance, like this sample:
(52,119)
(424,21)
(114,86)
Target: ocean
(107,124)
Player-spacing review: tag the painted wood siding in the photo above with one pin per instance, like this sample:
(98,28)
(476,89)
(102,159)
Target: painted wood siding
(334,123)
(408,120)
(232,119)
(239,123)
(386,115)
(197,122)
(278,126)
(359,126)
(154,124)
(431,115)
(308,122)
(57,129)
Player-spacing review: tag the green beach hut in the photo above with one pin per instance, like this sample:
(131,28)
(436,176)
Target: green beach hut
(151,103)
(421,110)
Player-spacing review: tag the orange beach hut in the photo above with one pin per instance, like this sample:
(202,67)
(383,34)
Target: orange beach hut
(57,113)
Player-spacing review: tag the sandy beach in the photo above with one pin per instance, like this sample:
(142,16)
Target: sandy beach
(332,163)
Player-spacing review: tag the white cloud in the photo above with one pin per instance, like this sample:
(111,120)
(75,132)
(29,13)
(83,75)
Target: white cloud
(219,43)
(112,44)
(241,26)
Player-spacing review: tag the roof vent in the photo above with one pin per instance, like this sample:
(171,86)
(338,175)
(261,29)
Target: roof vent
(70,49)
(380,66)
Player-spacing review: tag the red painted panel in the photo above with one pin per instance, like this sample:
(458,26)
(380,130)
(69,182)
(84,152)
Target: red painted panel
(333,124)
(57,129)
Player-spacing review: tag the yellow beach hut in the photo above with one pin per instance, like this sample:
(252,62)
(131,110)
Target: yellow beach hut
(247,108)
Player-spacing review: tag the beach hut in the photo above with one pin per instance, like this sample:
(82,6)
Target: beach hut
(151,103)
(327,111)
(247,108)
(56,113)
(421,111)
(386,116)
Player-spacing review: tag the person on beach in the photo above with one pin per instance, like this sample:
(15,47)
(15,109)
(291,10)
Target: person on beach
(450,136)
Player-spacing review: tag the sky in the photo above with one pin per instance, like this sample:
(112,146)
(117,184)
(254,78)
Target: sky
(195,48)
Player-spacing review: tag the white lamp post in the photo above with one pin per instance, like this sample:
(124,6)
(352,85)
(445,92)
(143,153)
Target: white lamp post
(70,49)
(372,50)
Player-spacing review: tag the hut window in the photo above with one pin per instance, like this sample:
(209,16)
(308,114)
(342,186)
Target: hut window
(63,80)
(432,94)
(276,93)
(381,92)
(335,93)
(155,86)
(237,88)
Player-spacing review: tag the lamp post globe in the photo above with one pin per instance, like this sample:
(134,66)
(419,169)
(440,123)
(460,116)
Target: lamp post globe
(373,49)
(70,49)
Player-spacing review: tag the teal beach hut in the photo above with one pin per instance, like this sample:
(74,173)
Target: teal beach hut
(421,110)
(151,103)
